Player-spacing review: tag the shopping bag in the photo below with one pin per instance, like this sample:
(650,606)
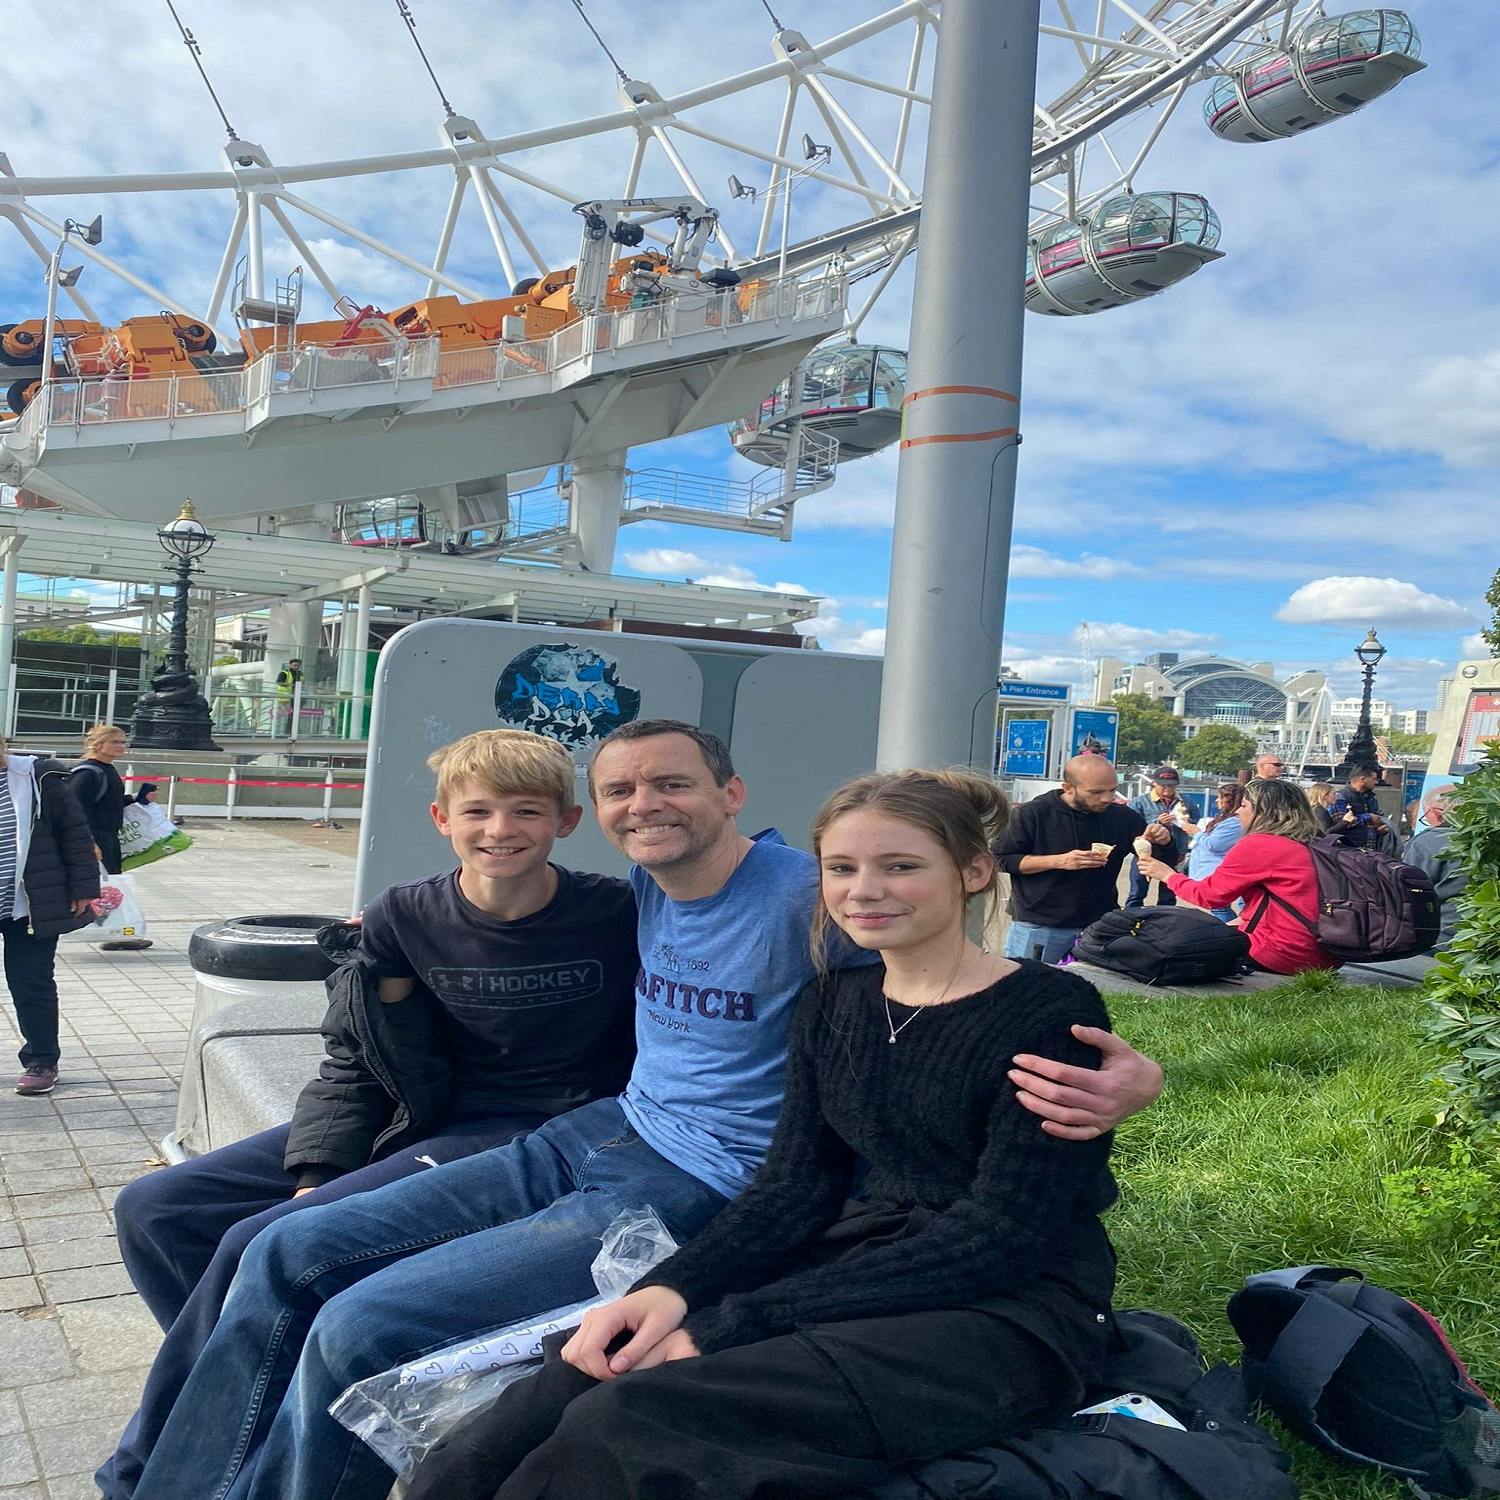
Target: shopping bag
(117,912)
(148,835)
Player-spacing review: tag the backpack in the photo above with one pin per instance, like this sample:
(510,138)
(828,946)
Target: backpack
(1367,1376)
(1218,1454)
(1370,905)
(1163,945)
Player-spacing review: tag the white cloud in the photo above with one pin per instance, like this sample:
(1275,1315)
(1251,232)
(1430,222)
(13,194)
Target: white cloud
(1473,648)
(1033,562)
(1136,640)
(668,562)
(1363,601)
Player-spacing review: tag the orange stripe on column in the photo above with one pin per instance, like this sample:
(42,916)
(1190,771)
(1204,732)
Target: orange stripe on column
(960,437)
(960,390)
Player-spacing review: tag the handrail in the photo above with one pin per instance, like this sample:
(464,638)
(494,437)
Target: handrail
(307,368)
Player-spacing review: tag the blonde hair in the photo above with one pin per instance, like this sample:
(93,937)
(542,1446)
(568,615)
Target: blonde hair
(507,762)
(1280,807)
(100,733)
(962,810)
(1320,793)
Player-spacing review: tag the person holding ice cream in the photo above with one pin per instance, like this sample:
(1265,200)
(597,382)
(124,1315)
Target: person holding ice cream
(1063,852)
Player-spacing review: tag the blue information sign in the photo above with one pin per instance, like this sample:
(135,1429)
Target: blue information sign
(1096,729)
(1025,748)
(1034,692)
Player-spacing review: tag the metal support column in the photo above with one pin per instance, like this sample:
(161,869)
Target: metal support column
(12,546)
(361,649)
(598,496)
(955,488)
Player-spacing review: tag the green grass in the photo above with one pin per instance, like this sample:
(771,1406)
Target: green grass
(1284,1111)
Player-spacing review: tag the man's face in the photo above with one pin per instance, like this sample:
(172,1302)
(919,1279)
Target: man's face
(1364,782)
(658,803)
(1269,767)
(1164,791)
(1094,788)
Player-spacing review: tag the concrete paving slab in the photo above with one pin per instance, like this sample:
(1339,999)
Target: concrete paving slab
(75,1341)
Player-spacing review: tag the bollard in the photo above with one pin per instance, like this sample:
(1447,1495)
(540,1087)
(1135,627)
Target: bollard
(172,797)
(229,799)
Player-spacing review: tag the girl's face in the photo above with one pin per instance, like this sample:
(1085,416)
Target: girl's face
(1223,802)
(892,885)
(112,748)
(1245,813)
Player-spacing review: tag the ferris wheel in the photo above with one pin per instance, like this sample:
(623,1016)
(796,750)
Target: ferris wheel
(801,171)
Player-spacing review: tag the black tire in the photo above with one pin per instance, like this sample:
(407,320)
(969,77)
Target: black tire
(34,357)
(20,392)
(271,948)
(520,289)
(198,339)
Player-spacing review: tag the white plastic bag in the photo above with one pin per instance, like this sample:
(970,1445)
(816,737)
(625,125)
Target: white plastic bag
(148,835)
(401,1413)
(117,913)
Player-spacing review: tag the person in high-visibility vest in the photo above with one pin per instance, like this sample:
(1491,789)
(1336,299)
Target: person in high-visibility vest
(286,686)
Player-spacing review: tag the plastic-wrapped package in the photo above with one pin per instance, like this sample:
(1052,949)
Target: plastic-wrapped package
(401,1413)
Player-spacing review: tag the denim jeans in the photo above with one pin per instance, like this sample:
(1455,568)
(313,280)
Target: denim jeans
(182,1233)
(331,1295)
(1140,884)
(1049,945)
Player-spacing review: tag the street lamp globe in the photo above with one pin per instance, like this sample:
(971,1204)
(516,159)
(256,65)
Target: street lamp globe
(1369,650)
(186,536)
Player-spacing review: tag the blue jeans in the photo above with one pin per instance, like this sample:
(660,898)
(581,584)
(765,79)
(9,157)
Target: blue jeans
(331,1295)
(1048,945)
(1139,885)
(182,1233)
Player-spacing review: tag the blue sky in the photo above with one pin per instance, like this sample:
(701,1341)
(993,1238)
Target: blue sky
(1299,441)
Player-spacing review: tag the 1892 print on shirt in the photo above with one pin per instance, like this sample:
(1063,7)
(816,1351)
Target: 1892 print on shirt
(538,1010)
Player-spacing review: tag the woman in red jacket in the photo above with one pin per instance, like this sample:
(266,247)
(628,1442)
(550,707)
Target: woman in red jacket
(1270,861)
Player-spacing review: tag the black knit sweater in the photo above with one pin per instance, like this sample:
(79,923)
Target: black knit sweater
(995,1199)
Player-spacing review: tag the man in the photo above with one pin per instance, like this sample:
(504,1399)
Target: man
(1356,811)
(1158,810)
(286,688)
(1428,851)
(330,1296)
(1269,765)
(1063,852)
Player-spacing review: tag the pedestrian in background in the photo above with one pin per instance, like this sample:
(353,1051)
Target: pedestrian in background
(1158,808)
(100,791)
(48,877)
(1214,837)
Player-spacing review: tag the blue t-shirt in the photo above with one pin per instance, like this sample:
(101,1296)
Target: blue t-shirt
(714,1001)
(1210,847)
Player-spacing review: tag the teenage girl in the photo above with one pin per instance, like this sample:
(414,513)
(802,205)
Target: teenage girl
(916,1270)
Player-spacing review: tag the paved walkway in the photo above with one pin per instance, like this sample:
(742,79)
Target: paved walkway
(74,1339)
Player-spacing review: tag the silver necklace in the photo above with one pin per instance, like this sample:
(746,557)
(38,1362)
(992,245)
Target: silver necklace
(894,1029)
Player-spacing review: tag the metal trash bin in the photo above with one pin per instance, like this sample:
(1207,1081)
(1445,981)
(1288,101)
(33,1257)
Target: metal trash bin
(270,971)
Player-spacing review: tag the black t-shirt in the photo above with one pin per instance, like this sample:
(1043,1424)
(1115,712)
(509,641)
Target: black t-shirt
(537,1013)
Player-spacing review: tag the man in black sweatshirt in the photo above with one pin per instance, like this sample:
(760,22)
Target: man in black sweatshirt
(1063,853)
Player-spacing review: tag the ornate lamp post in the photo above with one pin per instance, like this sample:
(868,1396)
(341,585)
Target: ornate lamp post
(1362,751)
(173,714)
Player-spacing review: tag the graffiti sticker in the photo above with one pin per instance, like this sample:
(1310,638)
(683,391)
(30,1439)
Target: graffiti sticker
(569,693)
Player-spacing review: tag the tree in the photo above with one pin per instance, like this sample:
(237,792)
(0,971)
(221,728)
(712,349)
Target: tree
(1219,749)
(82,634)
(1410,744)
(1149,732)
(1492,634)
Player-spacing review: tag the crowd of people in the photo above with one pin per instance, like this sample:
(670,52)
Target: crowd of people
(875,1140)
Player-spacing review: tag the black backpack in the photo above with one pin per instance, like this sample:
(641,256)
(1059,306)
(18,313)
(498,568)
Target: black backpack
(1163,945)
(1370,905)
(1367,1376)
(1218,1454)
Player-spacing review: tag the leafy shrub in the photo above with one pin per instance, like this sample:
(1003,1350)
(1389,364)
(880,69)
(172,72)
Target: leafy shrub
(1464,988)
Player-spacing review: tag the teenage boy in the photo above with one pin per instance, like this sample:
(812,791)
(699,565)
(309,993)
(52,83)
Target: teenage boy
(485,1000)
(325,1299)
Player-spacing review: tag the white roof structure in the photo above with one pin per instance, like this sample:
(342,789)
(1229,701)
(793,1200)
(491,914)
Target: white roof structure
(263,569)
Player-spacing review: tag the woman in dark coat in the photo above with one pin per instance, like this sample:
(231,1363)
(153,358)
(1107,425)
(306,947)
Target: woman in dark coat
(101,792)
(48,877)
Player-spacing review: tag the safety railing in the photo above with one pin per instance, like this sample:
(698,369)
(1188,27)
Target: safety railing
(256,713)
(308,368)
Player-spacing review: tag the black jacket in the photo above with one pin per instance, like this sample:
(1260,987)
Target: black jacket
(101,795)
(386,1081)
(1064,898)
(60,863)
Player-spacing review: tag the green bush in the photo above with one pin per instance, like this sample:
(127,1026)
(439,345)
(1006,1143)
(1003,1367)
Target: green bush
(1464,988)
